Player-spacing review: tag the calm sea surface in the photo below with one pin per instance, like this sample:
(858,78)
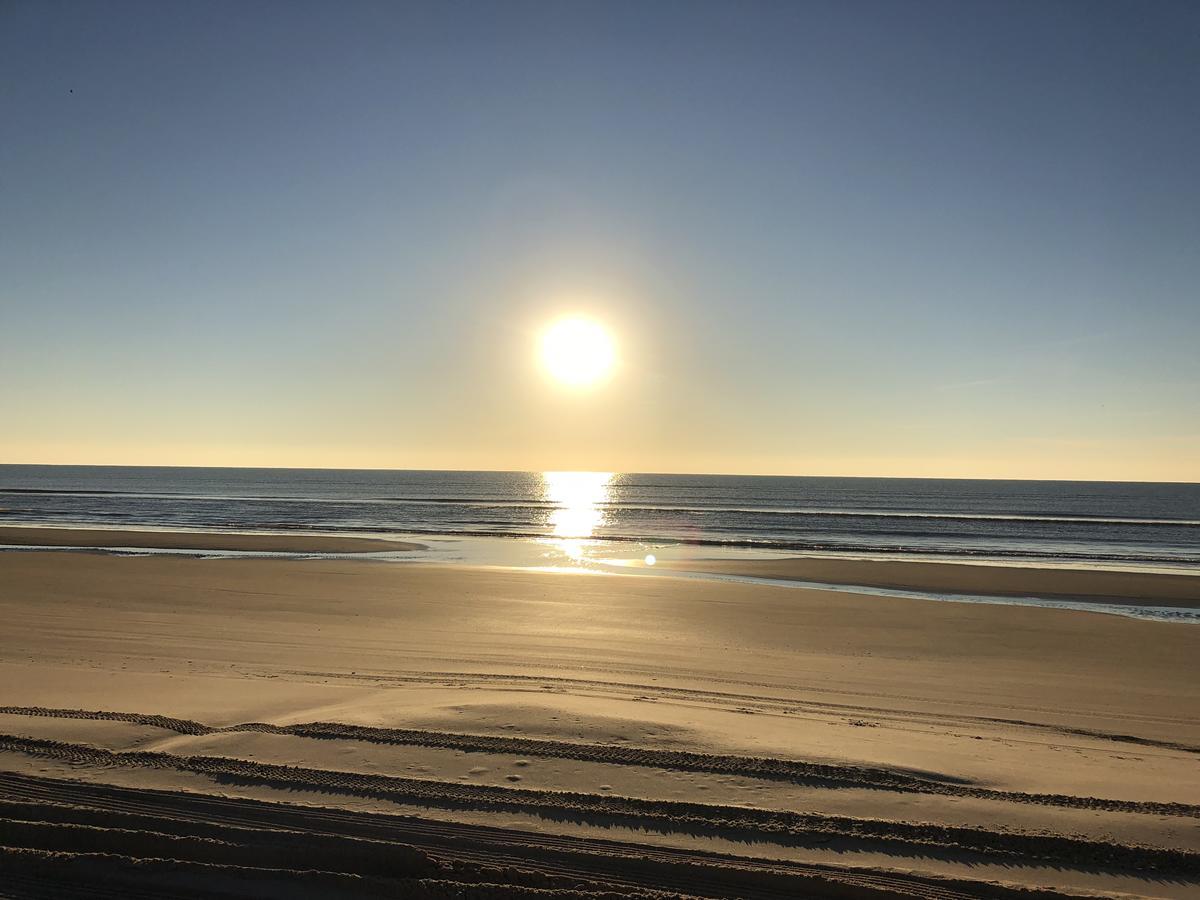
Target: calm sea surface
(1099,523)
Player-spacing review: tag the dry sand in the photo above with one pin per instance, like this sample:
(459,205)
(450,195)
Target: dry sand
(261,726)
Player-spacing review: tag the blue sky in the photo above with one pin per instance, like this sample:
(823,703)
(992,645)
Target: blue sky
(830,238)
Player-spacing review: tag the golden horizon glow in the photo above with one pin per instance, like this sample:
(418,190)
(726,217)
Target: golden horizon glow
(578,352)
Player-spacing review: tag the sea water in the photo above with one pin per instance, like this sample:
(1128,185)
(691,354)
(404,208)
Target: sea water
(1105,524)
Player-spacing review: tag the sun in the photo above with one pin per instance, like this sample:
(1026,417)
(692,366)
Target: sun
(578,352)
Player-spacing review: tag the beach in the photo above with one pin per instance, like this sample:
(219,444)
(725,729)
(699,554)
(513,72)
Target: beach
(270,722)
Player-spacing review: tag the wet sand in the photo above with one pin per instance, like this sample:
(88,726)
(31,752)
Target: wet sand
(99,539)
(1095,585)
(234,722)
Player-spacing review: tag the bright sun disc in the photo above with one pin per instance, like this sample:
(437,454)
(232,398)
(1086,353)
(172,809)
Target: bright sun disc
(578,352)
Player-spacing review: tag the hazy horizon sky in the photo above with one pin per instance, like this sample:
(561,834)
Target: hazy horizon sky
(954,239)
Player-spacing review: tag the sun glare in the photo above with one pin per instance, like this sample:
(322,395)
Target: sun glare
(578,352)
(578,500)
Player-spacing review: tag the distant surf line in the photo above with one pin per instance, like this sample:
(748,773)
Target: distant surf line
(547,505)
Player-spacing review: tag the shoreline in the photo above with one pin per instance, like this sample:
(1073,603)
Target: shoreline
(721,547)
(939,581)
(1100,586)
(119,539)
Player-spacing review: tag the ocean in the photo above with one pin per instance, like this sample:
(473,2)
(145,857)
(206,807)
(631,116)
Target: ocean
(1109,524)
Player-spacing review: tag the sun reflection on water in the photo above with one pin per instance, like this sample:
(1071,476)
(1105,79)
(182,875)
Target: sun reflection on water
(579,500)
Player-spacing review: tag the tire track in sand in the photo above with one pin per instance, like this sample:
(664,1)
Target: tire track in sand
(664,816)
(766,768)
(762,703)
(466,854)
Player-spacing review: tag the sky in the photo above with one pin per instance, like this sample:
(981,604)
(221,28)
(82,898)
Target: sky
(955,239)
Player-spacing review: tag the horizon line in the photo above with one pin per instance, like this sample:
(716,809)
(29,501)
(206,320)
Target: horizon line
(611,472)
